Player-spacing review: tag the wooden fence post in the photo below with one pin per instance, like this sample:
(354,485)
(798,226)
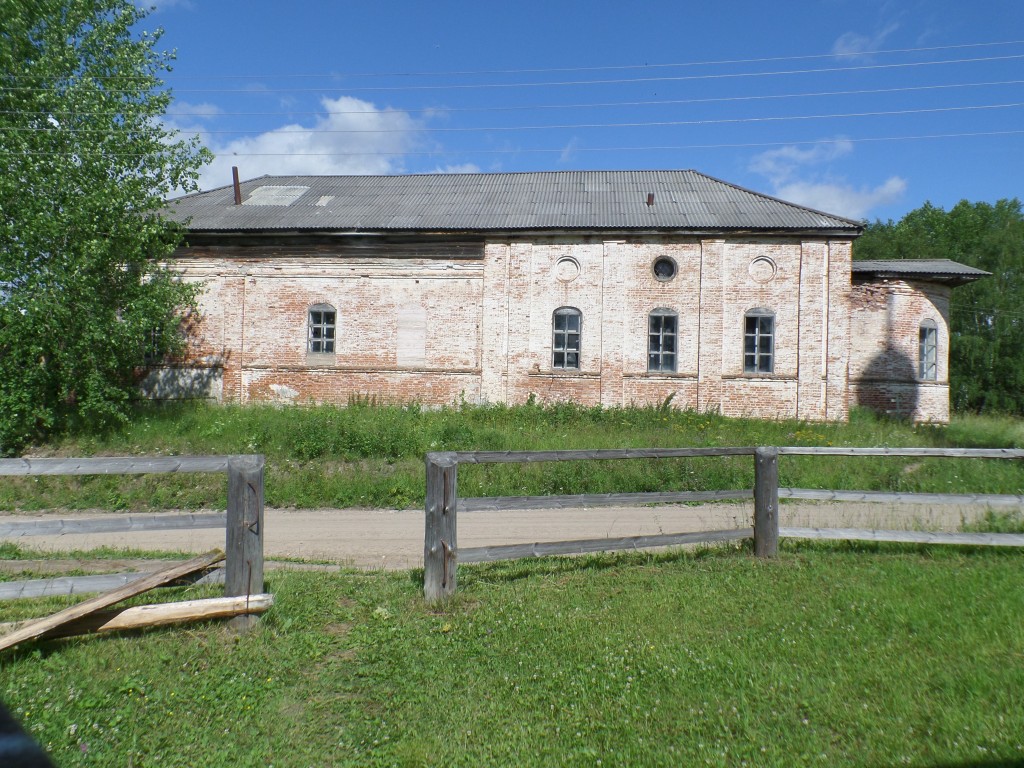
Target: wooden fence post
(766,502)
(440,549)
(243,571)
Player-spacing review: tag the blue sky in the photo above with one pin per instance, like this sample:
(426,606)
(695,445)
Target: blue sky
(865,108)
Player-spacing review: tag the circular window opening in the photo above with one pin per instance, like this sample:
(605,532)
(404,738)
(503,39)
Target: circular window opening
(664,268)
(567,270)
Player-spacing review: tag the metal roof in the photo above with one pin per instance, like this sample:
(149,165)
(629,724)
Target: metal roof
(486,202)
(937,270)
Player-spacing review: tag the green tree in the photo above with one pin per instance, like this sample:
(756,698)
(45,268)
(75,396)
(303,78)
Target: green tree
(986,317)
(85,165)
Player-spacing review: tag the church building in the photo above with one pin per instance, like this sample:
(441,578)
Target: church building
(610,288)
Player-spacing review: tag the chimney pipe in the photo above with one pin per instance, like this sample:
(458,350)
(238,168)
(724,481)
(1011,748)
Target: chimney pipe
(650,198)
(238,189)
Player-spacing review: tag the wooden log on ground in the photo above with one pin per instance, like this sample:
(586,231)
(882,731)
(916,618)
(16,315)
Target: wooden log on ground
(585,546)
(160,578)
(159,614)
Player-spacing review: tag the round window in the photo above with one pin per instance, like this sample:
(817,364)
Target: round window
(665,268)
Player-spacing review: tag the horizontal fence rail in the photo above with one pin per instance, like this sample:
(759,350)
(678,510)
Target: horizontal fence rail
(585,546)
(111,524)
(501,503)
(948,453)
(243,520)
(441,553)
(114,465)
(77,585)
(908,537)
(888,497)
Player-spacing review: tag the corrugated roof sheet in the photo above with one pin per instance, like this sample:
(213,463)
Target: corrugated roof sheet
(942,270)
(589,200)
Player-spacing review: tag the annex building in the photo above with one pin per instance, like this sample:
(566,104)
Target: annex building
(604,287)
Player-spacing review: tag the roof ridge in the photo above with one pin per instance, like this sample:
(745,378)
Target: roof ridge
(780,200)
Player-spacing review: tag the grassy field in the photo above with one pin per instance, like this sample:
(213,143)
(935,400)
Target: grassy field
(837,655)
(371,456)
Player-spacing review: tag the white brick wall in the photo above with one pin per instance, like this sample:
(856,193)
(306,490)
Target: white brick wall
(437,330)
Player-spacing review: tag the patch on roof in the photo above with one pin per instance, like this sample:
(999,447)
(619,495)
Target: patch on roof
(324,200)
(274,195)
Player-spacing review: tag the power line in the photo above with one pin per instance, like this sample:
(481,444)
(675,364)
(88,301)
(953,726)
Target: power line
(615,81)
(529,107)
(567,126)
(599,68)
(543,150)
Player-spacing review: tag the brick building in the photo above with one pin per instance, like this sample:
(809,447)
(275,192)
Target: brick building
(611,288)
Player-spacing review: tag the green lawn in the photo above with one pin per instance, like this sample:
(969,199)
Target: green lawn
(831,654)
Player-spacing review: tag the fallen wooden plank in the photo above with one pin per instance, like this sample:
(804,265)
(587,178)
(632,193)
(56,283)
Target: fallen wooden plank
(578,501)
(77,585)
(159,614)
(45,526)
(584,546)
(910,537)
(137,587)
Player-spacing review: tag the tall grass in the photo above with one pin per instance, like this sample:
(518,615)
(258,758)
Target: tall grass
(371,456)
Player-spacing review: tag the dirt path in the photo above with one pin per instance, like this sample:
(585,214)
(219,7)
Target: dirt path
(393,539)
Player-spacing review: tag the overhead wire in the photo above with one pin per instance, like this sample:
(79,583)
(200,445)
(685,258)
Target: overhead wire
(564,83)
(212,114)
(559,150)
(596,68)
(569,126)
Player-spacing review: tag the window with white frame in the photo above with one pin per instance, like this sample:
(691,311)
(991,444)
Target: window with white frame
(759,341)
(565,338)
(928,351)
(322,328)
(662,332)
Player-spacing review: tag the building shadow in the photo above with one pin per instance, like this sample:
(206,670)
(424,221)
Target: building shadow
(888,385)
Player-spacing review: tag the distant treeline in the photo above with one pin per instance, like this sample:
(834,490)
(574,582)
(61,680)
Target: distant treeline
(986,358)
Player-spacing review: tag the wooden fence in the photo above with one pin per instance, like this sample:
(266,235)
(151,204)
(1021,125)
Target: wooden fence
(441,553)
(243,521)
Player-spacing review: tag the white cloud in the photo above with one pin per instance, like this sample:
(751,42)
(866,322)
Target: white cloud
(187,109)
(354,137)
(780,164)
(802,175)
(568,151)
(461,168)
(853,46)
(843,199)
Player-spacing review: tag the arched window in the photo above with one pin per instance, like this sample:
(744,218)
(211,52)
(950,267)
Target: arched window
(928,351)
(322,328)
(565,338)
(662,332)
(759,341)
